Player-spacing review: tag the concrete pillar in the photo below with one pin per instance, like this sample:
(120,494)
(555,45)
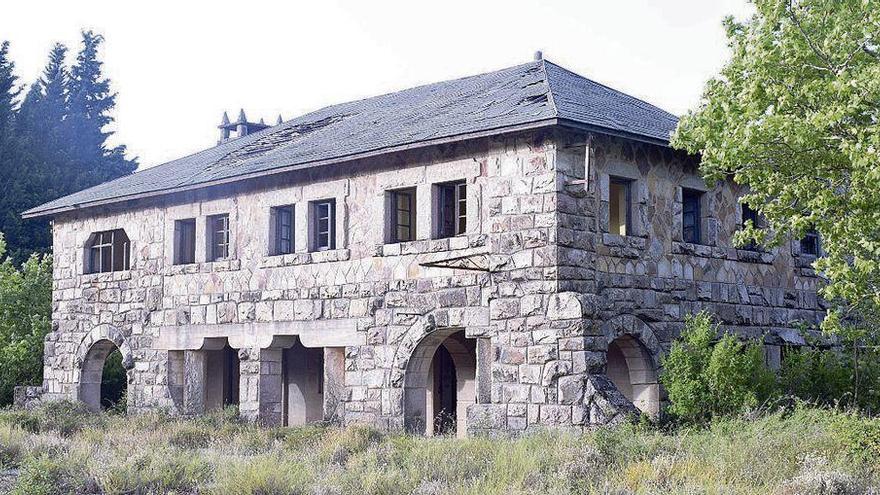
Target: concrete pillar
(194,368)
(260,398)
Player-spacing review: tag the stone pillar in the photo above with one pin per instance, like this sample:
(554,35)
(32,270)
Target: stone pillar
(260,389)
(334,382)
(175,379)
(194,367)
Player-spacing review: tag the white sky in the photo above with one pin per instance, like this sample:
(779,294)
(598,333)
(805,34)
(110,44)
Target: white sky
(178,65)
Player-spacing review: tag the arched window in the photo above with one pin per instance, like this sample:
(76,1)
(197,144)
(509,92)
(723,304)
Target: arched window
(108,251)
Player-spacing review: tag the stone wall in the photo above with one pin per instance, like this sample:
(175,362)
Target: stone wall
(535,281)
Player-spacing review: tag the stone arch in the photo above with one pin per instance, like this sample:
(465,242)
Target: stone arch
(91,355)
(413,360)
(633,361)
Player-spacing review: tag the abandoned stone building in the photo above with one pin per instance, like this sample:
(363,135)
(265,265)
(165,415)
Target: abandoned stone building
(496,253)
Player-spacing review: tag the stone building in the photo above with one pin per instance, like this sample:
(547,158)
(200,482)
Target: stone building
(489,254)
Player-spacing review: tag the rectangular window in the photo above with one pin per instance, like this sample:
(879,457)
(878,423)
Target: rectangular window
(218,237)
(690,215)
(620,206)
(402,205)
(323,218)
(749,214)
(283,218)
(451,209)
(810,243)
(185,241)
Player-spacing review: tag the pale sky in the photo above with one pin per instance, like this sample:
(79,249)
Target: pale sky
(178,65)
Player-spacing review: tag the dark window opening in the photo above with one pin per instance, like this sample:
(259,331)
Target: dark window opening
(690,216)
(323,225)
(108,251)
(184,241)
(810,243)
(451,209)
(283,229)
(403,221)
(218,231)
(749,214)
(620,206)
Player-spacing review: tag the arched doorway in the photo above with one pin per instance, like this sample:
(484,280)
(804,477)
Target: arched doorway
(631,369)
(103,379)
(440,383)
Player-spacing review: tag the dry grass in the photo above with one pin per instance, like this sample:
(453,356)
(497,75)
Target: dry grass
(61,449)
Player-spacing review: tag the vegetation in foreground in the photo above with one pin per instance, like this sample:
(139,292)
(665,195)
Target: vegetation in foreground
(61,448)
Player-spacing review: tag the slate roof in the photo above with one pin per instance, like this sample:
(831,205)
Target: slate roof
(529,95)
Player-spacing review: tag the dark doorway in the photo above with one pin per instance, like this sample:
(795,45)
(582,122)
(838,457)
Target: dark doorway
(114,383)
(232,378)
(445,394)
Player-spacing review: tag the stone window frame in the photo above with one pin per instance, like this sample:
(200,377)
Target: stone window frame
(337,190)
(273,240)
(392,211)
(437,215)
(638,200)
(709,223)
(177,241)
(90,245)
(218,249)
(332,228)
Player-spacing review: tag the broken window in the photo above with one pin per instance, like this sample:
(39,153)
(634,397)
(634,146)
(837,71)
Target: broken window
(402,204)
(810,243)
(690,215)
(108,251)
(323,220)
(218,237)
(185,241)
(620,206)
(283,218)
(451,209)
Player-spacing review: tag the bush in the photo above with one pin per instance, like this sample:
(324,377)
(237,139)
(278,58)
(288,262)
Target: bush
(707,380)
(51,475)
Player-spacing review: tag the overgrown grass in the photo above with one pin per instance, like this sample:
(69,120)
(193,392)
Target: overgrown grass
(795,451)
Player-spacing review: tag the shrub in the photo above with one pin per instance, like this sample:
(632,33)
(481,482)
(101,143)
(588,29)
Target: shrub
(706,380)
(51,475)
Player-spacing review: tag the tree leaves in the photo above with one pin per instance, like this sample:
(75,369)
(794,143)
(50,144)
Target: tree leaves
(795,116)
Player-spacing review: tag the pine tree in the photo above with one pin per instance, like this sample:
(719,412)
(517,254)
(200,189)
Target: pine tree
(90,104)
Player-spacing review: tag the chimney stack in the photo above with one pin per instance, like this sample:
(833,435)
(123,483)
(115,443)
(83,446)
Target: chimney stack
(241,127)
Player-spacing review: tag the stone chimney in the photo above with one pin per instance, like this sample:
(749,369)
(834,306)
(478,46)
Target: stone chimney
(241,127)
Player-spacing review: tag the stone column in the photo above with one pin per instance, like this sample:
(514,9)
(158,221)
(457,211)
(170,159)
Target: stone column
(334,382)
(260,391)
(194,367)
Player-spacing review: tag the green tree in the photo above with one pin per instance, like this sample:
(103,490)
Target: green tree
(795,116)
(60,133)
(25,319)
(706,379)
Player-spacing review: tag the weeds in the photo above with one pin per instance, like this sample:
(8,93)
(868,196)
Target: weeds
(799,449)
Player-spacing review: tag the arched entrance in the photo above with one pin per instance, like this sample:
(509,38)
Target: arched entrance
(222,377)
(103,379)
(440,383)
(302,384)
(631,369)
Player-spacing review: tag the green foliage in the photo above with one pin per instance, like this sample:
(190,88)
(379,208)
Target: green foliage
(58,134)
(795,116)
(25,319)
(808,448)
(114,383)
(705,379)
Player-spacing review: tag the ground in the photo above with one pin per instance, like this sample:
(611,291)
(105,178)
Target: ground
(799,450)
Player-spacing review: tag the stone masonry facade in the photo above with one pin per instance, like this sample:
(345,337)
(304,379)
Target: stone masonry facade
(537,284)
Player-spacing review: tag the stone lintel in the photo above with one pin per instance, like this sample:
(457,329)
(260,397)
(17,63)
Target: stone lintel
(312,333)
